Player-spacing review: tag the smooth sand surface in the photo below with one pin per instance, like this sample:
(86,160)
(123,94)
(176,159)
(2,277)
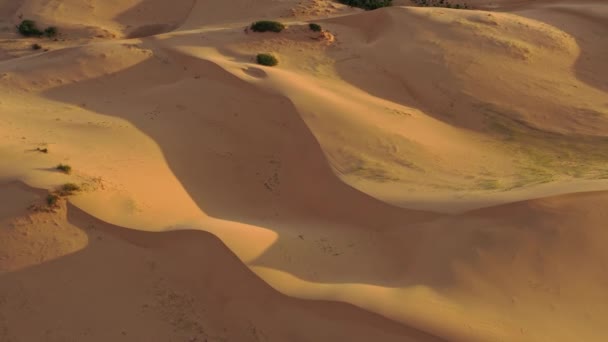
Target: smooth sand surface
(408,174)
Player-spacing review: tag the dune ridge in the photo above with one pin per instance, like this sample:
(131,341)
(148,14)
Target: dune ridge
(412,174)
(216,298)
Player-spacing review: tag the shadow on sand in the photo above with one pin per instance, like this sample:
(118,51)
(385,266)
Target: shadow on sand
(137,286)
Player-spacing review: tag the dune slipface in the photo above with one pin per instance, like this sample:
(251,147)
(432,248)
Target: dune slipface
(403,174)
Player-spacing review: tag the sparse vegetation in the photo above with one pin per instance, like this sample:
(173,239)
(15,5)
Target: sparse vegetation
(50,31)
(36,47)
(42,150)
(51,200)
(488,184)
(267,26)
(543,156)
(368,5)
(440,3)
(267,59)
(64,168)
(68,189)
(315,27)
(28,28)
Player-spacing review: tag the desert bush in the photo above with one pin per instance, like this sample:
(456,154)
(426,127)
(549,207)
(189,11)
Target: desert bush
(28,28)
(50,31)
(315,27)
(64,168)
(51,200)
(267,59)
(68,189)
(368,4)
(42,150)
(267,25)
(36,47)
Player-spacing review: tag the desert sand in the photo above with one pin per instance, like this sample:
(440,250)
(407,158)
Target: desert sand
(408,174)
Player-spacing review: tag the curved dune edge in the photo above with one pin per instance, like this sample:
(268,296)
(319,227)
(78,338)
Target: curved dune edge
(299,170)
(100,282)
(470,268)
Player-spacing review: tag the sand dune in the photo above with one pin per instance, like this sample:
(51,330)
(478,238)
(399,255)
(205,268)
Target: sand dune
(412,174)
(100,282)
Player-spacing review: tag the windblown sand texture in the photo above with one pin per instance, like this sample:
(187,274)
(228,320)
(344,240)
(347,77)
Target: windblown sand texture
(408,174)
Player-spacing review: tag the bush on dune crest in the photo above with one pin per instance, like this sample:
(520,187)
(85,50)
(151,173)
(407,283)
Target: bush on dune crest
(267,25)
(28,28)
(64,168)
(368,4)
(314,27)
(68,189)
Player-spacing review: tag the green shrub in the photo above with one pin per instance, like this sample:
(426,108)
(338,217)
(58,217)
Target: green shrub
(266,25)
(315,27)
(64,168)
(267,59)
(28,28)
(50,31)
(368,4)
(52,199)
(68,189)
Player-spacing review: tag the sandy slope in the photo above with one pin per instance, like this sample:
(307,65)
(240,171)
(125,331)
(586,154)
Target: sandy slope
(100,283)
(312,173)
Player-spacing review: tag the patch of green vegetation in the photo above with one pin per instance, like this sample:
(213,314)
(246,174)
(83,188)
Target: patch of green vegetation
(368,5)
(375,173)
(68,189)
(531,176)
(315,27)
(267,26)
(542,156)
(50,31)
(267,59)
(64,168)
(52,200)
(28,28)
